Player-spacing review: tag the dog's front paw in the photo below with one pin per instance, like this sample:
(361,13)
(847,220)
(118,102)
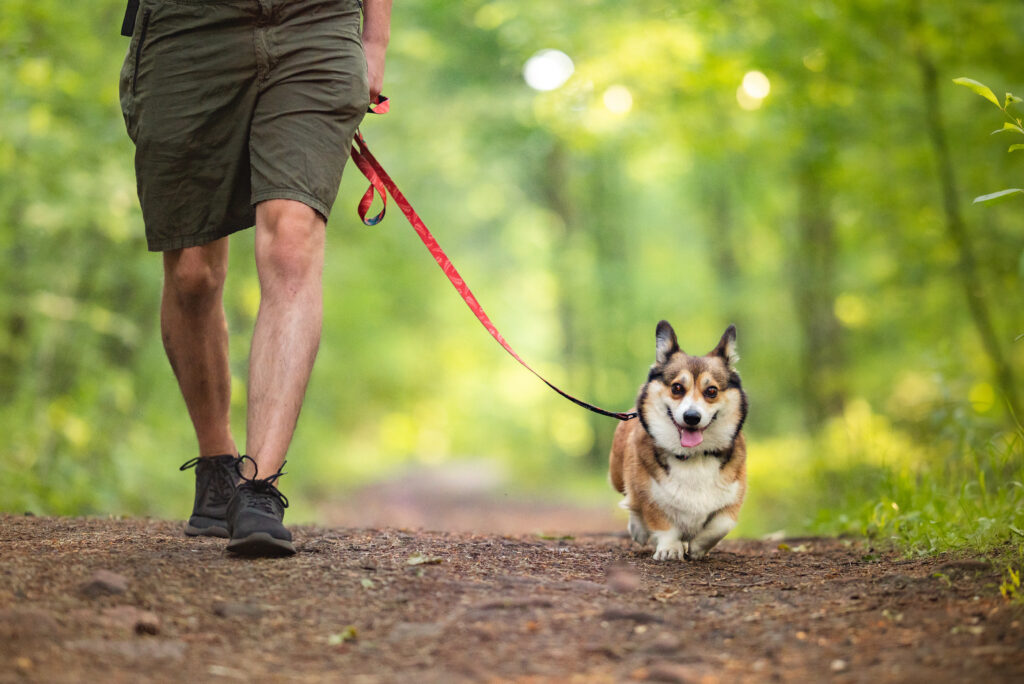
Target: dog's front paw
(670,551)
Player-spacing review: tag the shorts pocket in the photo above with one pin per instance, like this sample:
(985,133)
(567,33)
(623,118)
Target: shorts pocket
(128,88)
(138,51)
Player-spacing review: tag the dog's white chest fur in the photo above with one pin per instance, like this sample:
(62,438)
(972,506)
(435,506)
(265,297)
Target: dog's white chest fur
(693,490)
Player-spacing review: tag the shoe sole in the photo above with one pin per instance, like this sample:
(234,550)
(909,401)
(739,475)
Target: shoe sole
(212,531)
(261,544)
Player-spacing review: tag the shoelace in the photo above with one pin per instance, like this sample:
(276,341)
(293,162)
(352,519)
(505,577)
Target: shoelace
(261,493)
(222,487)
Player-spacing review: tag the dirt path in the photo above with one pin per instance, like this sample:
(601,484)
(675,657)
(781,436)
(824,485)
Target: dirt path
(365,605)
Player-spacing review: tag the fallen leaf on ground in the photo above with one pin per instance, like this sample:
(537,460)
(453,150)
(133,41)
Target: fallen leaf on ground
(420,559)
(348,634)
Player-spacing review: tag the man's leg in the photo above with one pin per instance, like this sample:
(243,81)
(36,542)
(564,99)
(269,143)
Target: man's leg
(289,260)
(195,336)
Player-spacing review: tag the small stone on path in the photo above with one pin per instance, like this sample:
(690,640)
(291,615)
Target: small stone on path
(105,583)
(665,643)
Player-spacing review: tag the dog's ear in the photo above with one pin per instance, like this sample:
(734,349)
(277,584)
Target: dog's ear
(665,342)
(727,347)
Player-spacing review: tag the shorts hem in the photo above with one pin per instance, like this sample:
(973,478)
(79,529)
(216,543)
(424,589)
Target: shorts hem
(183,241)
(309,200)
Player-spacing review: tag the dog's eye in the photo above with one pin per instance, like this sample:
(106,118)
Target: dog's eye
(711,392)
(678,389)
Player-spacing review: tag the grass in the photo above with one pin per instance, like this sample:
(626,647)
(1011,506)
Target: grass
(971,503)
(923,494)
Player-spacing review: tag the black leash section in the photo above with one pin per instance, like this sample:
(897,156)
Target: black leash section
(381,183)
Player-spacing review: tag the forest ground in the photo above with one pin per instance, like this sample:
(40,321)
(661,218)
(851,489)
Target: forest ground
(129,600)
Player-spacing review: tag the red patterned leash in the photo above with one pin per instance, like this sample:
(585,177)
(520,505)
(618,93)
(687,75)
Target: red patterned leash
(381,184)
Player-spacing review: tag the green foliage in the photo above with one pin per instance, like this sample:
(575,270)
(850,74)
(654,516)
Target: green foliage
(971,502)
(864,477)
(1014,125)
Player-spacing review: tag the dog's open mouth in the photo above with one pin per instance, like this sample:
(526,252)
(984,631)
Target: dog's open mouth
(689,437)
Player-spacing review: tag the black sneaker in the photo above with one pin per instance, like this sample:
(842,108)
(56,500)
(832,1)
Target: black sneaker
(215,483)
(254,518)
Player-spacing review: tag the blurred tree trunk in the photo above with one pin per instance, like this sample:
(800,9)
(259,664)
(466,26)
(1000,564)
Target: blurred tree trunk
(722,229)
(588,300)
(608,299)
(814,294)
(555,189)
(967,269)
(555,185)
(718,187)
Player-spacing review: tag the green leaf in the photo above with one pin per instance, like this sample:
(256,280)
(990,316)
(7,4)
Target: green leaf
(1008,127)
(1011,99)
(1014,148)
(980,89)
(998,196)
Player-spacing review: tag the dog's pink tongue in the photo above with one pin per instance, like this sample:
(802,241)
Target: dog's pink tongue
(690,438)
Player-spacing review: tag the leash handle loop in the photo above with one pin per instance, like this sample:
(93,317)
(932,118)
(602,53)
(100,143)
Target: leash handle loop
(359,156)
(381,184)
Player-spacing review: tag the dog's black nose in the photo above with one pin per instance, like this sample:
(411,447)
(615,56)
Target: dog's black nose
(691,417)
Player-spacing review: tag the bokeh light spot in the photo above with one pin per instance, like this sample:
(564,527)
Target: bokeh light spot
(618,100)
(753,90)
(756,84)
(548,70)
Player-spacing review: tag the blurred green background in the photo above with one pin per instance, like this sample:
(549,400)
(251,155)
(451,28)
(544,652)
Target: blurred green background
(802,169)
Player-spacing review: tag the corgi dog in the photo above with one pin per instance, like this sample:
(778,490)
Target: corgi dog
(683,465)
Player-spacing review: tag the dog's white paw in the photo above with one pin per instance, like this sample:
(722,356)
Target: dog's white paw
(670,551)
(637,529)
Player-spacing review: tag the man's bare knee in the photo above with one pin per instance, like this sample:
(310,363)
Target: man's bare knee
(289,240)
(194,275)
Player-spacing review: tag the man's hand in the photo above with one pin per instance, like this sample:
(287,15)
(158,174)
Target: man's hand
(376,34)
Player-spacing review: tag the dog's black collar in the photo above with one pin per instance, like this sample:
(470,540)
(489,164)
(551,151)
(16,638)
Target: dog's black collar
(717,453)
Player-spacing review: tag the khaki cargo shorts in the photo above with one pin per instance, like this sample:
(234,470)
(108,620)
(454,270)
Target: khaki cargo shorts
(233,102)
